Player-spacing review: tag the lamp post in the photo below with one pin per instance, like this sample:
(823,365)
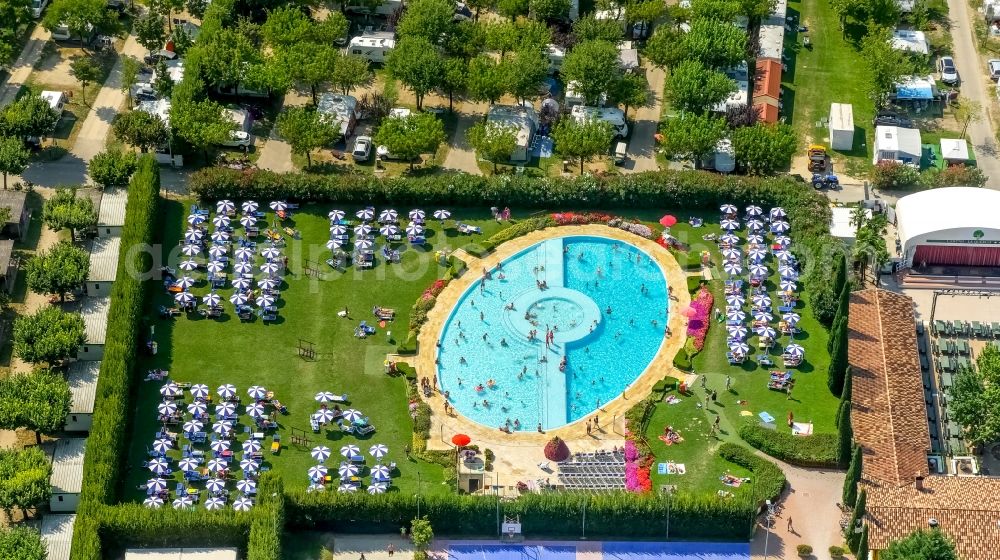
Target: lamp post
(418,494)
(768,519)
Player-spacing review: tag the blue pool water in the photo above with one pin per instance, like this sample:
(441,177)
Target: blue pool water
(604,352)
(609,550)
(510,552)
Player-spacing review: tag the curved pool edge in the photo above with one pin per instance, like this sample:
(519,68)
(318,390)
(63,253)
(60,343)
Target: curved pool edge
(437,320)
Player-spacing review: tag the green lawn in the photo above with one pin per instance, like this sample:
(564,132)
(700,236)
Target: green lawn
(214,352)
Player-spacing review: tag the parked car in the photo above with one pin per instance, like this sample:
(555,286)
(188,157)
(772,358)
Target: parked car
(993,67)
(887,118)
(37,6)
(239,139)
(362,148)
(153,59)
(947,71)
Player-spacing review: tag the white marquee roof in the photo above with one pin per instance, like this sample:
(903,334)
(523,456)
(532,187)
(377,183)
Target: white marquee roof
(945,209)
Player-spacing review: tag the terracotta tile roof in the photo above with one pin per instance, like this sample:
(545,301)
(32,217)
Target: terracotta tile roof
(887,413)
(967,509)
(767,80)
(769,112)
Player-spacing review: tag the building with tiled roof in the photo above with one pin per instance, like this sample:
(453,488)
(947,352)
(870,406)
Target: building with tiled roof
(888,416)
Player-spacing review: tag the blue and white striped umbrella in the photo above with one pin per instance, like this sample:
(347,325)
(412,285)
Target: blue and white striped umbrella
(736,331)
(271,253)
(739,347)
(166,408)
(243,504)
(788,273)
(414,229)
(389,230)
(195,219)
(791,318)
(363,229)
(220,445)
(336,215)
(248,221)
(442,214)
(347,489)
(222,427)
(217,251)
(188,464)
(246,486)
(347,469)
(732,267)
(192,426)
(244,254)
(777,212)
(226,409)
(795,350)
(757,254)
(158,465)
(730,238)
(761,300)
(220,236)
(788,285)
(380,471)
(783,240)
(162,445)
(212,504)
(388,215)
(241,283)
(378,450)
(215,267)
(755,225)
(735,300)
(215,484)
(197,408)
(377,488)
(216,465)
(184,298)
(255,410)
(365,213)
(731,253)
(256,392)
(226,391)
(265,300)
(249,206)
(729,225)
(317,472)
(153,502)
(252,446)
(350,450)
(278,205)
(184,282)
(193,235)
(183,502)
(736,315)
(755,239)
(187,265)
(765,332)
(353,415)
(239,298)
(784,255)
(268,283)
(170,389)
(213,299)
(243,268)
(221,220)
(320,453)
(324,415)
(337,230)
(762,316)
(363,244)
(728,209)
(758,270)
(269,268)
(249,465)
(334,244)
(155,485)
(325,397)
(225,206)
(754,210)
(315,487)
(780,227)
(417,214)
(191,250)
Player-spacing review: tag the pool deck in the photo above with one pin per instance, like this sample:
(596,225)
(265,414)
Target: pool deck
(518,454)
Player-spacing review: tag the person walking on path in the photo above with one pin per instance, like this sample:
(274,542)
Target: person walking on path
(597,422)
(790,530)
(729,382)
(588,426)
(390,549)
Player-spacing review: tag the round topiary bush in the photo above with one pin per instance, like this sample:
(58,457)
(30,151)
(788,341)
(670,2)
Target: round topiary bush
(837,552)
(804,550)
(556,450)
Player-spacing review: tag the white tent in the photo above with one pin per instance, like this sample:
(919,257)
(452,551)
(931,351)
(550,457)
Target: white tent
(910,40)
(954,150)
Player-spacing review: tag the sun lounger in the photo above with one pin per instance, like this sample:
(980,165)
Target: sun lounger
(958,327)
(962,346)
(385,313)
(977,329)
(364,430)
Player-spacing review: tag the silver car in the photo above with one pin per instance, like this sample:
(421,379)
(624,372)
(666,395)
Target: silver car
(362,148)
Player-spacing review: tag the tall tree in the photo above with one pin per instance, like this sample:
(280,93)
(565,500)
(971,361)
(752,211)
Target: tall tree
(24,480)
(130,75)
(202,124)
(65,210)
(590,28)
(715,43)
(974,398)
(13,14)
(921,545)
(594,68)
(82,17)
(526,72)
(113,167)
(39,401)
(232,60)
(486,79)
(692,87)
(838,367)
(143,130)
(431,20)
(716,10)
(22,543)
(632,90)
(408,137)
(163,85)
(312,65)
(886,65)
(350,72)
(494,142)
(692,136)
(764,148)
(549,10)
(850,494)
(417,64)
(306,130)
(453,79)
(582,140)
(421,534)
(49,335)
(287,26)
(28,116)
(86,70)
(512,9)
(61,269)
(665,48)
(756,10)
(150,31)
(13,157)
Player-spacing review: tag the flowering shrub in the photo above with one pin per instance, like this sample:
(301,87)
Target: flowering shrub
(637,475)
(556,450)
(631,451)
(574,218)
(642,230)
(698,323)
(436,288)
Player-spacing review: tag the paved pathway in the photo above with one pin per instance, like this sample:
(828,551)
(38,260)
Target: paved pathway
(642,146)
(25,62)
(461,156)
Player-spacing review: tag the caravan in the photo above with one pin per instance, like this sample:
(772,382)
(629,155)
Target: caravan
(373,47)
(614,117)
(385,8)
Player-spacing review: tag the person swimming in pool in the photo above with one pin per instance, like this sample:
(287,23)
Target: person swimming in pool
(608,310)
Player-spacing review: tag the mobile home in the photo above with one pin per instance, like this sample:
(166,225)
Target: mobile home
(373,47)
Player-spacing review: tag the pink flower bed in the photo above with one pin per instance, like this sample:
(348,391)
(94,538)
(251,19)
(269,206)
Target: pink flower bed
(637,476)
(700,319)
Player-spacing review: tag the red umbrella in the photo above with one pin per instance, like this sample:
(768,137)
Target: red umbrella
(668,220)
(461,440)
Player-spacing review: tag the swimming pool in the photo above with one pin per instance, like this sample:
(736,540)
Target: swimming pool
(605,303)
(608,550)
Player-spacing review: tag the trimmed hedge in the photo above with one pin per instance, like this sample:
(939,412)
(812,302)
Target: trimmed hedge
(769,482)
(107,441)
(817,450)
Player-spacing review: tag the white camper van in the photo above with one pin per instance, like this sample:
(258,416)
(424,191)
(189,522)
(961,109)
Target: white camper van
(556,55)
(613,116)
(373,47)
(574,98)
